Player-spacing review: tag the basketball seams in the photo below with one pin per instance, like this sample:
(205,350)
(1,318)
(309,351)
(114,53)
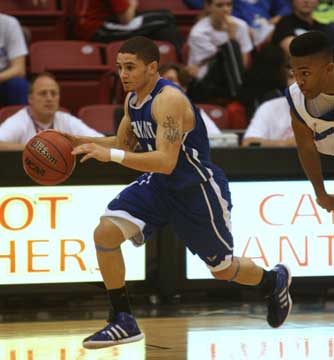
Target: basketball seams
(44,163)
(55,148)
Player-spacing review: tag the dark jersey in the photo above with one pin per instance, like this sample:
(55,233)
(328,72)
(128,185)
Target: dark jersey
(193,165)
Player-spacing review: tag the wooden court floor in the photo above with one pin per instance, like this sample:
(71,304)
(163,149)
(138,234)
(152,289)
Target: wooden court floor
(305,336)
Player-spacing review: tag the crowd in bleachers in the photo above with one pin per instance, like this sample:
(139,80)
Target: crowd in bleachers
(232,55)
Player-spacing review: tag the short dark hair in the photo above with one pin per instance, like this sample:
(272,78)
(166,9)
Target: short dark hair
(310,43)
(38,76)
(183,76)
(143,47)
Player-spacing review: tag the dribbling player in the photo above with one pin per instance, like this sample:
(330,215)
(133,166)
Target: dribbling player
(180,186)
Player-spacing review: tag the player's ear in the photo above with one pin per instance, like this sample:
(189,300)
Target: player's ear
(153,67)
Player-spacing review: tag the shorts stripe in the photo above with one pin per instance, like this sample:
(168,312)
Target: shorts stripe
(212,219)
(223,203)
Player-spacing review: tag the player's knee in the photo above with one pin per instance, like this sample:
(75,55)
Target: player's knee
(227,273)
(107,234)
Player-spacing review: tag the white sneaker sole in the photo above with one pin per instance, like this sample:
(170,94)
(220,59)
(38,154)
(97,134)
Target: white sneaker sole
(103,344)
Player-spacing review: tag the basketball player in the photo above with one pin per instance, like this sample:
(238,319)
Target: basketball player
(180,186)
(311,101)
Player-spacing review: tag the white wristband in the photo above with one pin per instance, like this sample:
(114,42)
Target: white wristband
(117,155)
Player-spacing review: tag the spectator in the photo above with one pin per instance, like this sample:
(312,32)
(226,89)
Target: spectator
(178,75)
(13,50)
(110,20)
(261,16)
(211,41)
(271,124)
(324,13)
(299,22)
(41,114)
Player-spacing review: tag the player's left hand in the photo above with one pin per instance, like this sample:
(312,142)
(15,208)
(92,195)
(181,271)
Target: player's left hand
(92,151)
(326,202)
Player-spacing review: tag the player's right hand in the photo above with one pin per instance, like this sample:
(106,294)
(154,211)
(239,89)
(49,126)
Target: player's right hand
(74,140)
(326,202)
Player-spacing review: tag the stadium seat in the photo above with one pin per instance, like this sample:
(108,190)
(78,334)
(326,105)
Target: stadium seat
(217,113)
(79,68)
(7,111)
(100,117)
(45,21)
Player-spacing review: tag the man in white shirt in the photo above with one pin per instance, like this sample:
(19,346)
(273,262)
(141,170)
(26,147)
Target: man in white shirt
(271,124)
(219,51)
(13,50)
(41,114)
(214,30)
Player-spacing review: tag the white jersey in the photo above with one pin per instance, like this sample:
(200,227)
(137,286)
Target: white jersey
(20,128)
(321,125)
(12,42)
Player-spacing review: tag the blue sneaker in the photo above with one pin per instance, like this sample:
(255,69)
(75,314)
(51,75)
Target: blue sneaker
(280,302)
(123,329)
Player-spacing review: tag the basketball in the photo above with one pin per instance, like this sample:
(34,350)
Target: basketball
(47,158)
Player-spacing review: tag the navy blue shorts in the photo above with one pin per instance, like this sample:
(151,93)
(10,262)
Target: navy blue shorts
(200,214)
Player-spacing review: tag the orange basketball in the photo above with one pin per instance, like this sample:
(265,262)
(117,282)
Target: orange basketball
(47,158)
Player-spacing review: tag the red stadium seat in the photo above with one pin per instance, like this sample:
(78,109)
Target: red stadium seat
(45,21)
(100,117)
(217,113)
(83,77)
(7,111)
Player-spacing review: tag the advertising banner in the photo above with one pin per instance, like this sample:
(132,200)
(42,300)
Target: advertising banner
(46,234)
(278,221)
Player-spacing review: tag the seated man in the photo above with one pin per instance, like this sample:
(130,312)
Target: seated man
(41,114)
(219,51)
(271,124)
(13,50)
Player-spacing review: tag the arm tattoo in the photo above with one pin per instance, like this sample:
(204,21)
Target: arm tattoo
(171,132)
(129,139)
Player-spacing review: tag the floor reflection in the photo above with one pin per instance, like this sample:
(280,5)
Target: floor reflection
(263,344)
(203,337)
(65,348)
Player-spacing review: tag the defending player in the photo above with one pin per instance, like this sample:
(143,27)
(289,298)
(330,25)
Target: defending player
(311,100)
(180,186)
